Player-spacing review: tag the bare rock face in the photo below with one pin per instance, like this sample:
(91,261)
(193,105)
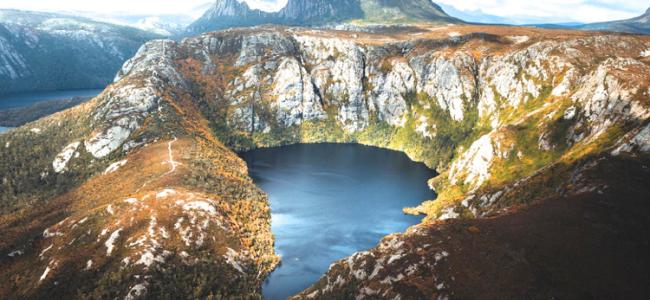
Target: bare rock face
(475,162)
(451,81)
(387,95)
(338,71)
(640,142)
(125,106)
(296,98)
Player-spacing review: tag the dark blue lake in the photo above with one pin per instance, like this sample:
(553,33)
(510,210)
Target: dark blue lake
(26,99)
(329,201)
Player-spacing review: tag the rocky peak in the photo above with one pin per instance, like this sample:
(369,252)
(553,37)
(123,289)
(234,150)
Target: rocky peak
(229,13)
(230,8)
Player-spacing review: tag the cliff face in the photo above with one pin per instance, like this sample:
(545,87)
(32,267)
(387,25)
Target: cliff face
(144,175)
(320,11)
(41,51)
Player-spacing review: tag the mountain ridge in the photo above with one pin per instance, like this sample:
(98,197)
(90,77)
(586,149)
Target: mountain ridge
(232,13)
(48,51)
(637,25)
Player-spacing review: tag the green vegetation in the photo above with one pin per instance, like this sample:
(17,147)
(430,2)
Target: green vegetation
(26,167)
(449,134)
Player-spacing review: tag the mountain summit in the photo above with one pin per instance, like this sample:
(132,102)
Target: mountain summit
(229,13)
(233,13)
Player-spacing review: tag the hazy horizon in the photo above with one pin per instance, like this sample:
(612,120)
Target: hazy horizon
(511,11)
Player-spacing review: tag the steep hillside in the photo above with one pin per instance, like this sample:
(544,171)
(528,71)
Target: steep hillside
(130,194)
(233,13)
(587,243)
(138,192)
(42,51)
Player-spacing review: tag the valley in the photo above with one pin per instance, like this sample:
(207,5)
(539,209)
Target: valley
(202,169)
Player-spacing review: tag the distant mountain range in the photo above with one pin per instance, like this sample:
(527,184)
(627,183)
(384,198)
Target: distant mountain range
(46,51)
(233,13)
(164,25)
(640,24)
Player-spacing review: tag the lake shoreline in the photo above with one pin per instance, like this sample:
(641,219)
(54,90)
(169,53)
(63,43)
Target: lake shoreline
(17,100)
(19,109)
(330,200)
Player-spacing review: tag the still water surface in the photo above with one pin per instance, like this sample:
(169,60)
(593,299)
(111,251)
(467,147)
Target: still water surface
(331,200)
(29,98)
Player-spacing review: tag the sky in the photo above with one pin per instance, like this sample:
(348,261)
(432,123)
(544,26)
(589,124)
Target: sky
(518,11)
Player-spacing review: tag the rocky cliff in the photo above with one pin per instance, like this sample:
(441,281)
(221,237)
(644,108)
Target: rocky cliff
(141,183)
(42,51)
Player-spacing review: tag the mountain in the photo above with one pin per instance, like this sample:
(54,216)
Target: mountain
(404,11)
(167,25)
(233,13)
(319,11)
(230,13)
(162,25)
(45,51)
(159,25)
(476,16)
(542,142)
(639,25)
